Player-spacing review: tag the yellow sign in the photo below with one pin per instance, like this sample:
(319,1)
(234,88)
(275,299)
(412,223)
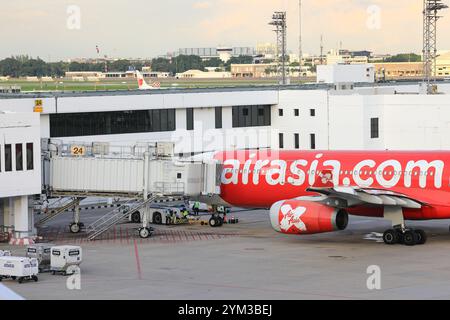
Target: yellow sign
(38,106)
(78,150)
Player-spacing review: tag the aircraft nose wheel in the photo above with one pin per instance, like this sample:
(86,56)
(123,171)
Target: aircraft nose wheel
(75,227)
(407,237)
(145,233)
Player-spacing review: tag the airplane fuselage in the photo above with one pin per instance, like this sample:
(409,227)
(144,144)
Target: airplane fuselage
(261,178)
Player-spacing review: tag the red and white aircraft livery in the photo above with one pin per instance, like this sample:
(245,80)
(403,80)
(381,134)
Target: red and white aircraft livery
(314,192)
(143,85)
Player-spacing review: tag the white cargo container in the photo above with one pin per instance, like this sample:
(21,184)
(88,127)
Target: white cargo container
(21,268)
(5,253)
(42,253)
(63,259)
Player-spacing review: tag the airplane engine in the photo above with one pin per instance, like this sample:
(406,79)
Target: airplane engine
(306,217)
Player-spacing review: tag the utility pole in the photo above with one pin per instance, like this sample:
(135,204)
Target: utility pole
(300,44)
(431,9)
(279,21)
(321,49)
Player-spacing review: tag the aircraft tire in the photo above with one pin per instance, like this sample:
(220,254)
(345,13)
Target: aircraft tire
(75,228)
(390,237)
(136,217)
(213,222)
(410,238)
(422,236)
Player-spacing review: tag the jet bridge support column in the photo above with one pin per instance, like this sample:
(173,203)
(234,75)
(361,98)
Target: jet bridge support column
(76,225)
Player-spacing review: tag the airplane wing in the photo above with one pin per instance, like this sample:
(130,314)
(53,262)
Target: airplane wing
(345,197)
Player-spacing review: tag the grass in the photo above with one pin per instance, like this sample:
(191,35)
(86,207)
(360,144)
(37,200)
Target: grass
(131,84)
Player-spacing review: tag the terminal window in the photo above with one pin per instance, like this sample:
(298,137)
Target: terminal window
(374,128)
(251,116)
(190,118)
(19,157)
(8,157)
(30,159)
(116,122)
(297,140)
(313,141)
(218,116)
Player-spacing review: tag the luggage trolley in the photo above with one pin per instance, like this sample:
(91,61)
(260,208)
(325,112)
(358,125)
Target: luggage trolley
(64,259)
(42,253)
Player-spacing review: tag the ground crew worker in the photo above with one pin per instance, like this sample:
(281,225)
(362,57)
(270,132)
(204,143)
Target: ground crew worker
(196,208)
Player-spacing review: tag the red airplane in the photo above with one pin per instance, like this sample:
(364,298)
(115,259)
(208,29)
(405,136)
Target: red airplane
(315,191)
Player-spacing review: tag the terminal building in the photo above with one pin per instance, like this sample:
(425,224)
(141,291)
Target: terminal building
(20,170)
(359,116)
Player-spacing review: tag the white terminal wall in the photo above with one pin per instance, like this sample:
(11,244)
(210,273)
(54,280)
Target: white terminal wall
(20,128)
(342,121)
(406,122)
(304,124)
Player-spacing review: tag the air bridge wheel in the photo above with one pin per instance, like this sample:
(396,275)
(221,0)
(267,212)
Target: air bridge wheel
(390,237)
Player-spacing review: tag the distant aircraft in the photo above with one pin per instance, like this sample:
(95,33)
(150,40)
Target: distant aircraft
(143,85)
(313,192)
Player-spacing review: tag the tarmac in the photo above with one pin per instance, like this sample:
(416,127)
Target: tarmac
(246,261)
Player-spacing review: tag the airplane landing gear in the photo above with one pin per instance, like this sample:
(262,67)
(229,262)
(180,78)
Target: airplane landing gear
(216,221)
(399,233)
(76,227)
(408,237)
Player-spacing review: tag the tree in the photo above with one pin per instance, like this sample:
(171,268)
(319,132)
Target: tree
(404,57)
(119,66)
(238,60)
(10,67)
(213,63)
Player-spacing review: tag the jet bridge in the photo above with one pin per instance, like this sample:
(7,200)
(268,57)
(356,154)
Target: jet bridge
(143,173)
(135,175)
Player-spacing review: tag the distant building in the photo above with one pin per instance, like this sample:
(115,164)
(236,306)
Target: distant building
(397,70)
(267,50)
(443,64)
(198,74)
(333,57)
(260,70)
(83,74)
(223,53)
(346,73)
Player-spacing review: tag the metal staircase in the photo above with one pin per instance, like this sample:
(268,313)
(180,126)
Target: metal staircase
(114,217)
(57,212)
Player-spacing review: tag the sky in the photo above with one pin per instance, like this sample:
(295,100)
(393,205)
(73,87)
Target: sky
(62,29)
